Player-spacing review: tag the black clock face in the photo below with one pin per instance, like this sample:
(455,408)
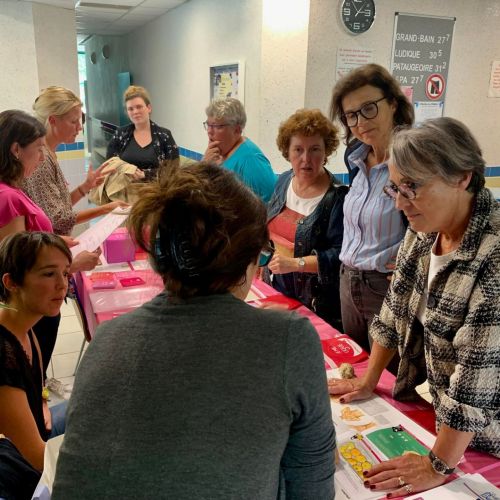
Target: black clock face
(358,15)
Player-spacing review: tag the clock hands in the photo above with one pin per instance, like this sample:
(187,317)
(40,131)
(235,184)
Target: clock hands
(360,9)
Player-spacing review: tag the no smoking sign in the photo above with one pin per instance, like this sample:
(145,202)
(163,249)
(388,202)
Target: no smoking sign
(434,86)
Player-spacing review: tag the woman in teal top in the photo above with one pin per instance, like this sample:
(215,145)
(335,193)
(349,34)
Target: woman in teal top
(226,119)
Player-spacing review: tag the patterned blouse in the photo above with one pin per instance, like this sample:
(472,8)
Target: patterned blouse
(48,188)
(163,142)
(458,347)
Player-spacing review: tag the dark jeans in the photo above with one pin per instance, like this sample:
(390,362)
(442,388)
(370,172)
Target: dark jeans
(46,333)
(361,297)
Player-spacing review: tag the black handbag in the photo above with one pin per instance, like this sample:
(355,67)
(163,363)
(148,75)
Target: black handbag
(18,479)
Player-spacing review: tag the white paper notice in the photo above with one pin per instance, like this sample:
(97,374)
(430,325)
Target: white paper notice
(494,89)
(468,487)
(351,58)
(94,236)
(427,110)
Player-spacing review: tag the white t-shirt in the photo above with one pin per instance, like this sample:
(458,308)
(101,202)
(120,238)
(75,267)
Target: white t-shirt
(303,206)
(437,262)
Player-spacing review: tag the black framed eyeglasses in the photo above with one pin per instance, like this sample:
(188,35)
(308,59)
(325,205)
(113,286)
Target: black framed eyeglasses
(405,189)
(215,126)
(266,254)
(368,111)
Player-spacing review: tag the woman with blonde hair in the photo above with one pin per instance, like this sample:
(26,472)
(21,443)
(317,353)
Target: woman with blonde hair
(60,110)
(142,143)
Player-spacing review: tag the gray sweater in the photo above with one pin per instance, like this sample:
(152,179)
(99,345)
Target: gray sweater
(208,398)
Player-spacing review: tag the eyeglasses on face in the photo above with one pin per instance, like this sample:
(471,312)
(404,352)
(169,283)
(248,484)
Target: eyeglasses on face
(405,189)
(266,254)
(368,111)
(215,126)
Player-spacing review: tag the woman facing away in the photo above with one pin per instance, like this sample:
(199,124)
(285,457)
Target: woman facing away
(306,217)
(441,311)
(143,143)
(34,269)
(206,396)
(228,147)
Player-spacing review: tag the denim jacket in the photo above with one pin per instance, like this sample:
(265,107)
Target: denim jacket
(318,234)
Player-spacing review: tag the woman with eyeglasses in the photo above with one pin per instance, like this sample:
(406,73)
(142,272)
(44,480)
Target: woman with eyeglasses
(305,216)
(143,143)
(227,146)
(369,103)
(442,309)
(219,399)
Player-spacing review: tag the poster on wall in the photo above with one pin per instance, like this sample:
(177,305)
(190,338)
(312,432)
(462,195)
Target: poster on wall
(227,80)
(349,58)
(421,58)
(494,88)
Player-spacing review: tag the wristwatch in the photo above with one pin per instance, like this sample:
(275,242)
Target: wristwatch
(440,466)
(302,264)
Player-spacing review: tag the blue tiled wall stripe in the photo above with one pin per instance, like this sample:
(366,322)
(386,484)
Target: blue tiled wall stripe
(188,153)
(342,177)
(74,146)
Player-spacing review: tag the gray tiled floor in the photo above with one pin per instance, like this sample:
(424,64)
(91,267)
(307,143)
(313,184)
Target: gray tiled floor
(68,344)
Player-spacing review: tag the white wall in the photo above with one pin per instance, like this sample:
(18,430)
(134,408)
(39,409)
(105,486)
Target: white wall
(37,49)
(19,80)
(296,67)
(283,70)
(476,42)
(171,57)
(56,50)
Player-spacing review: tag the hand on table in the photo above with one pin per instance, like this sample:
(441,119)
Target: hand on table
(350,389)
(109,207)
(273,305)
(212,153)
(404,475)
(281,265)
(86,261)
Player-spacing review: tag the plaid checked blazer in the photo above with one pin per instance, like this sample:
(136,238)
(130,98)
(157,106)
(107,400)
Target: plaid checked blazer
(458,347)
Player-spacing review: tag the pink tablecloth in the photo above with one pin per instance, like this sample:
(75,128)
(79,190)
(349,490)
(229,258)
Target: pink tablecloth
(422,412)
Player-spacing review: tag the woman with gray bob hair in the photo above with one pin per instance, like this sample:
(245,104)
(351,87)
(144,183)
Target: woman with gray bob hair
(229,148)
(442,147)
(441,310)
(229,109)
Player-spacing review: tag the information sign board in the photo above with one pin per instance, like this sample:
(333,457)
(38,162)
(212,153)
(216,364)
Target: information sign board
(421,55)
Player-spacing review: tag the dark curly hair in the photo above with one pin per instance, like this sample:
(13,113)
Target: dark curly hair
(16,126)
(376,76)
(204,228)
(307,122)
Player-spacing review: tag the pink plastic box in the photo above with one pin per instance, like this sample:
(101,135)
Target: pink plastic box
(119,247)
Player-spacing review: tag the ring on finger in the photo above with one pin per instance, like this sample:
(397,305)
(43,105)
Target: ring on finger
(408,488)
(401,481)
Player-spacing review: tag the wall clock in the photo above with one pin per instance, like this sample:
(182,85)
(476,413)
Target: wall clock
(357,15)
